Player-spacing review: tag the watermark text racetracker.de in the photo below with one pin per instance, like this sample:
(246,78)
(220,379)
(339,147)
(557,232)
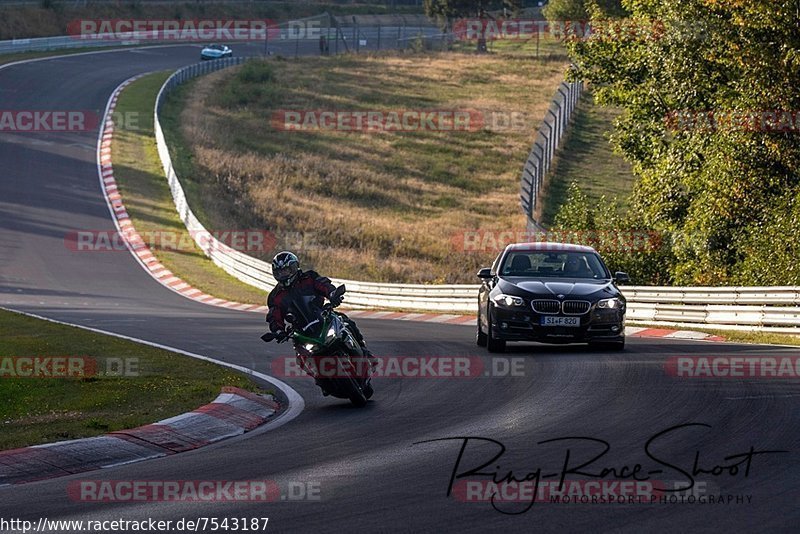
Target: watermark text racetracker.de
(42,120)
(735,367)
(252,241)
(399,120)
(473,29)
(63,121)
(606,240)
(711,121)
(189,30)
(413,367)
(67,367)
(196,30)
(582,491)
(201,491)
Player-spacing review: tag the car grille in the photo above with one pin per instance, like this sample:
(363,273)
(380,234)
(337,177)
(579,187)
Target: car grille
(568,307)
(576,307)
(546,306)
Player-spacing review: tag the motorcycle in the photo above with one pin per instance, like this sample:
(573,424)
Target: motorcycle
(327,350)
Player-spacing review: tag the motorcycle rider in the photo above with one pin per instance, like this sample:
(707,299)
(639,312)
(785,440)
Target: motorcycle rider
(292,282)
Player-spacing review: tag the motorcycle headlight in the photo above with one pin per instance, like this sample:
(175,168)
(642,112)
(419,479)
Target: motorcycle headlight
(609,304)
(331,335)
(309,347)
(508,301)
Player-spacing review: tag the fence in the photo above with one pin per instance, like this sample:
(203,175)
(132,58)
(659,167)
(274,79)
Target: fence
(547,141)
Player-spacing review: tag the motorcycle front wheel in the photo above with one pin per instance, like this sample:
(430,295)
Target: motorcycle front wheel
(357,396)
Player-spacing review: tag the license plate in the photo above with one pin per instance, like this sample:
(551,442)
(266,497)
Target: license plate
(561,321)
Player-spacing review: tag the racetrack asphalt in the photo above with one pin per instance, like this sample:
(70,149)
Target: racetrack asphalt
(371,472)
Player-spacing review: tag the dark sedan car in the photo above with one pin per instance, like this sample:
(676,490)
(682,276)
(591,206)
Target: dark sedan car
(551,293)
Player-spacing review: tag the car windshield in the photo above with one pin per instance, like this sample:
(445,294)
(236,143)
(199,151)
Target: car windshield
(215,47)
(544,264)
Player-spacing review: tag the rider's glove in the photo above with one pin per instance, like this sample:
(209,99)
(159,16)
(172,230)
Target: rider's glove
(281,336)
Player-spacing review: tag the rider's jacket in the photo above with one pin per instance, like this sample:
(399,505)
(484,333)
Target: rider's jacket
(308,283)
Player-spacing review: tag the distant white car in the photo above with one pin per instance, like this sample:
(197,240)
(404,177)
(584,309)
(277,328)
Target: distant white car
(215,51)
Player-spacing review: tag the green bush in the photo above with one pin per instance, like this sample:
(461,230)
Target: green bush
(253,84)
(623,239)
(256,72)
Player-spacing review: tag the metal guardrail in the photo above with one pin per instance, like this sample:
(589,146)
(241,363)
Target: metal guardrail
(766,309)
(44,44)
(548,139)
(258,273)
(769,309)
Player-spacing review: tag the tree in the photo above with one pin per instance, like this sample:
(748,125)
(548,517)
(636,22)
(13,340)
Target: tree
(447,11)
(575,10)
(566,10)
(709,89)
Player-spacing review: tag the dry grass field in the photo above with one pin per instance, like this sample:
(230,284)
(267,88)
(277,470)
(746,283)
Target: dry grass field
(382,206)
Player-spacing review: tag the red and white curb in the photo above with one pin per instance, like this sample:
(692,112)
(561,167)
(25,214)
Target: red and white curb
(133,240)
(637,331)
(138,247)
(232,413)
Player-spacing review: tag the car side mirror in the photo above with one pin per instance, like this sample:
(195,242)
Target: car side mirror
(621,277)
(485,274)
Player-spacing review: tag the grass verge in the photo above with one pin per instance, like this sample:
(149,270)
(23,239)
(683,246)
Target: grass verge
(147,198)
(41,410)
(386,206)
(586,157)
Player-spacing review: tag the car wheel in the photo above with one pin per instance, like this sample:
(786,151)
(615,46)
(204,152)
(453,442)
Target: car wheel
(492,344)
(480,337)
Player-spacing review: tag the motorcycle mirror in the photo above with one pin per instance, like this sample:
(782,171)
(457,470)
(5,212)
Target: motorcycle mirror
(339,291)
(269,336)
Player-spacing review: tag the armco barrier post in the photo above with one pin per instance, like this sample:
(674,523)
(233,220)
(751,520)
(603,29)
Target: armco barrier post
(559,118)
(551,131)
(549,138)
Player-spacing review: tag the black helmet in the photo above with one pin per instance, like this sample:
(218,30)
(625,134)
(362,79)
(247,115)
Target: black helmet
(285,268)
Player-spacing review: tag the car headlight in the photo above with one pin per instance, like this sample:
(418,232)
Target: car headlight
(609,303)
(508,300)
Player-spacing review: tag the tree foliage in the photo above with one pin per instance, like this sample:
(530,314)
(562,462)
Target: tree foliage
(727,191)
(623,240)
(576,10)
(454,9)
